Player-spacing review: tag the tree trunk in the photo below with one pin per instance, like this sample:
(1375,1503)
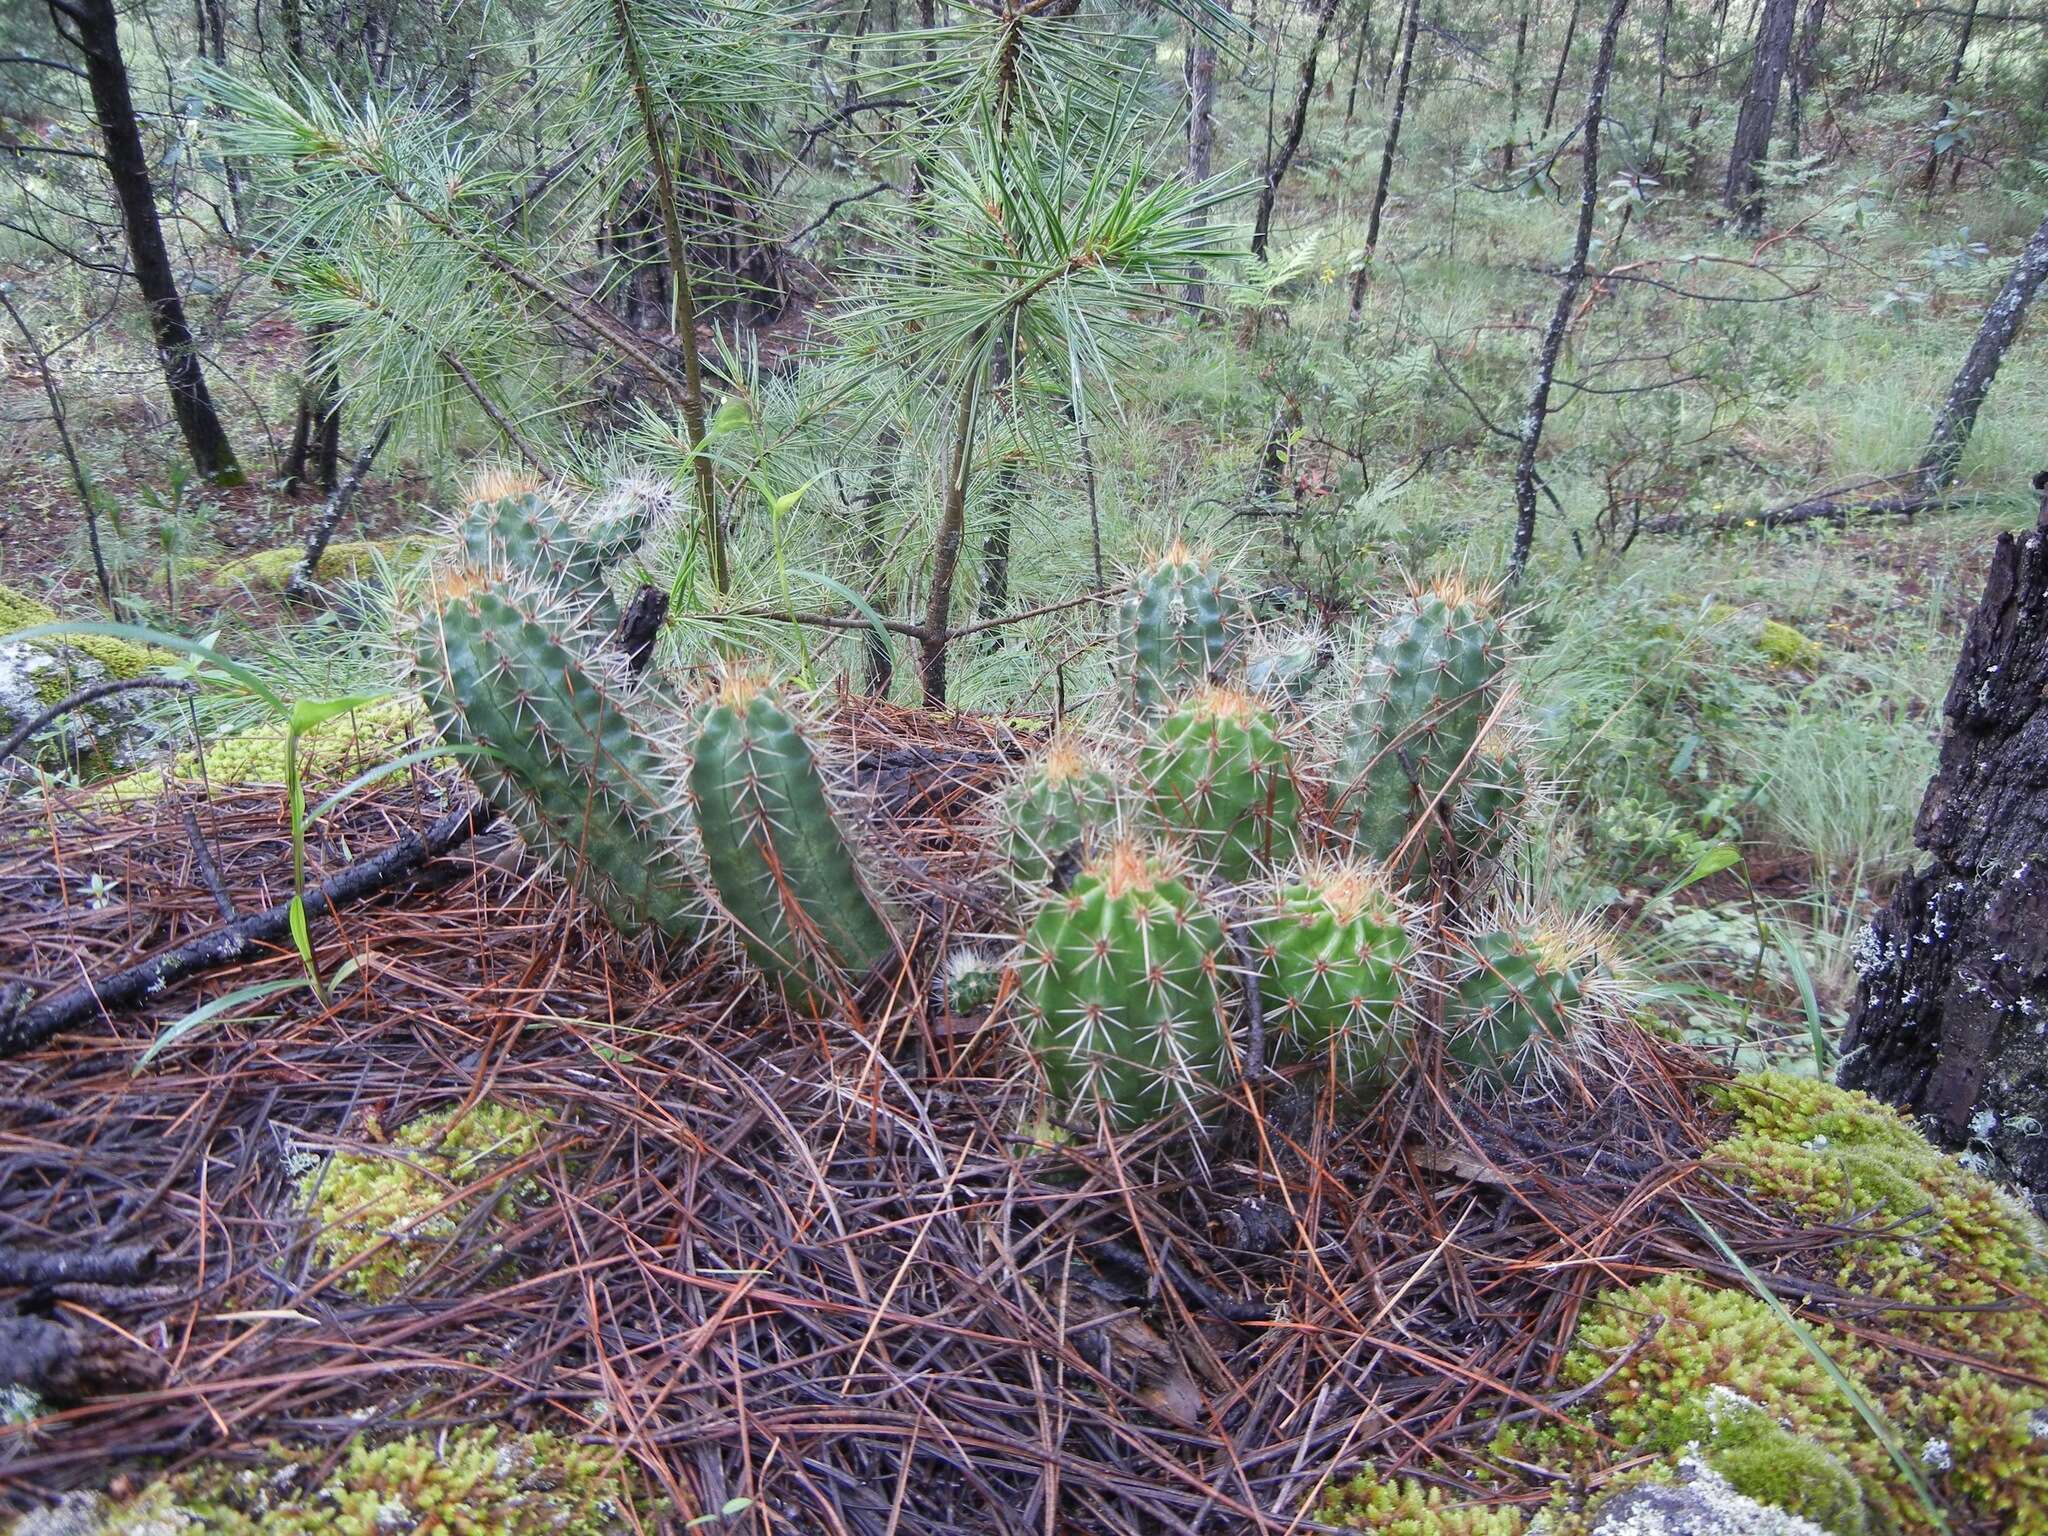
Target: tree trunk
(1564,57)
(1358,63)
(1743,190)
(1290,144)
(1573,278)
(1951,1018)
(1201,134)
(880,494)
(98,39)
(1386,176)
(1507,158)
(1951,434)
(1663,83)
(1801,80)
(938,612)
(1948,89)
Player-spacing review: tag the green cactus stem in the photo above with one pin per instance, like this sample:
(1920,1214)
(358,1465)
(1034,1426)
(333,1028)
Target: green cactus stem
(778,858)
(1495,800)
(1283,666)
(1522,1000)
(1217,773)
(1429,682)
(1333,953)
(1120,995)
(1178,622)
(970,981)
(512,528)
(1053,815)
(565,754)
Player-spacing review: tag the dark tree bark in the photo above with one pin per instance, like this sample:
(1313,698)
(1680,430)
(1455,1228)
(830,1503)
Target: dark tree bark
(1507,159)
(1951,1018)
(1800,81)
(1392,143)
(1201,133)
(1564,58)
(97,38)
(336,508)
(2001,323)
(1569,283)
(1663,81)
(1290,143)
(1948,89)
(881,655)
(1743,190)
(1358,62)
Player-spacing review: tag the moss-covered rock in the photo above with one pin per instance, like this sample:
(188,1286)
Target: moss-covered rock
(95,738)
(384,1215)
(355,560)
(334,750)
(466,1482)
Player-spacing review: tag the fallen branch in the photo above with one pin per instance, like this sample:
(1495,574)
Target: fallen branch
(65,1366)
(79,700)
(24,1026)
(332,514)
(1836,507)
(123,1265)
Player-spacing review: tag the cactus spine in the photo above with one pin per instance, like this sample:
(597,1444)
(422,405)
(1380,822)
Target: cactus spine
(1217,772)
(1428,685)
(1283,666)
(1495,800)
(1120,996)
(1525,994)
(513,529)
(1177,629)
(1054,812)
(503,669)
(777,856)
(1333,953)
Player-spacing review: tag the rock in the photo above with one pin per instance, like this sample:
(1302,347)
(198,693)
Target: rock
(1700,1504)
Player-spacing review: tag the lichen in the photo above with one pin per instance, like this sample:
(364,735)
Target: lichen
(465,1482)
(270,570)
(1405,1507)
(410,1192)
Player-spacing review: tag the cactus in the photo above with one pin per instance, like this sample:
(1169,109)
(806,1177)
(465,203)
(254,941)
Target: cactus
(1495,800)
(1427,688)
(1526,993)
(1119,991)
(566,757)
(514,529)
(1217,772)
(1178,622)
(970,981)
(1054,813)
(1283,666)
(777,856)
(1332,955)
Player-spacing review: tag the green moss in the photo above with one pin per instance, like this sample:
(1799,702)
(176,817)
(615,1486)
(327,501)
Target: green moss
(410,1193)
(1788,647)
(19,611)
(345,745)
(1762,1458)
(270,570)
(1405,1507)
(466,1482)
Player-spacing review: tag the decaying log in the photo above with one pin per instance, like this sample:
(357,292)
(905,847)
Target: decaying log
(62,1365)
(1951,1017)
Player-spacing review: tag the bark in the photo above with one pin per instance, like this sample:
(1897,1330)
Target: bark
(1663,81)
(1743,189)
(1564,57)
(938,612)
(1387,149)
(1297,123)
(1574,276)
(881,656)
(1951,1016)
(66,1365)
(1802,76)
(1948,89)
(1201,134)
(308,569)
(2001,323)
(97,37)
(1507,158)
(1358,63)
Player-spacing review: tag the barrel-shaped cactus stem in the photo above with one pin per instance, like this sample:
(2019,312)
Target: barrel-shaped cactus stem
(575,755)
(1430,678)
(522,534)
(1282,665)
(1056,814)
(1121,993)
(971,980)
(1527,1001)
(1495,802)
(1218,775)
(786,876)
(1179,627)
(1334,957)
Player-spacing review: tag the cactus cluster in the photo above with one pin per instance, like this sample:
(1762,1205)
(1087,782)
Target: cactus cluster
(1429,681)
(783,869)
(1179,624)
(1217,771)
(1121,992)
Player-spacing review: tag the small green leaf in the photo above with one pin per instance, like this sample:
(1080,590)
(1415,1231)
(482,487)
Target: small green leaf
(207,1012)
(310,714)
